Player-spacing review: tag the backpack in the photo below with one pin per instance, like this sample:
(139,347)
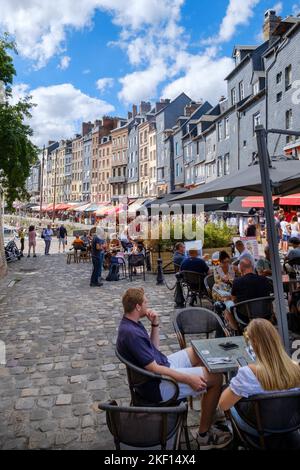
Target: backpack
(113,274)
(43,234)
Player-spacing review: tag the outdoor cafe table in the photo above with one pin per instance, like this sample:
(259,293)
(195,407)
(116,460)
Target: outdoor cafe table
(207,349)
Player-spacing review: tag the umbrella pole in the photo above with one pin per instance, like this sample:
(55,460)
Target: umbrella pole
(264,162)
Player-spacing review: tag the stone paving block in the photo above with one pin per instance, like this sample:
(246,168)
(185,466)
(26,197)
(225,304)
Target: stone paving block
(24,404)
(53,390)
(30,392)
(63,400)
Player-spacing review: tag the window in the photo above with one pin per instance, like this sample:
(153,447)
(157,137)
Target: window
(278,77)
(233,96)
(177,169)
(219,131)
(288,77)
(279,97)
(256,88)
(241,90)
(226,164)
(219,167)
(256,121)
(245,143)
(288,119)
(198,147)
(226,128)
(176,148)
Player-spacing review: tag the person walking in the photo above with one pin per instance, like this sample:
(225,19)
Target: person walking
(97,259)
(62,237)
(21,236)
(31,240)
(47,235)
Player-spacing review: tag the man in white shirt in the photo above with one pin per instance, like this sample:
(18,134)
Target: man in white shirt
(243,253)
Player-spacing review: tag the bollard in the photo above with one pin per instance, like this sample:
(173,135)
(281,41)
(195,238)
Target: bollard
(179,297)
(160,275)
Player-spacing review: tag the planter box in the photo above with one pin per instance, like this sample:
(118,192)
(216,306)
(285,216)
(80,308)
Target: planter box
(210,251)
(166,256)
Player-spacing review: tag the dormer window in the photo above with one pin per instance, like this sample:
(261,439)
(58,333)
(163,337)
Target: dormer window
(256,88)
(237,57)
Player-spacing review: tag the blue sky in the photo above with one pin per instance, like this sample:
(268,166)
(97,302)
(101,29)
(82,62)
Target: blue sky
(142,49)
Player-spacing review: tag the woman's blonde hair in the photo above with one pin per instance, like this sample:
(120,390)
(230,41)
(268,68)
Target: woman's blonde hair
(275,369)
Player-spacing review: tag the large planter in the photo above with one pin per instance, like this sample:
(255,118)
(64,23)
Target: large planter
(166,256)
(211,251)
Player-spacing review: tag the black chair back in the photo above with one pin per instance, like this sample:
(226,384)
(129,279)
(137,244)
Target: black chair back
(271,419)
(246,311)
(145,427)
(136,260)
(209,282)
(196,321)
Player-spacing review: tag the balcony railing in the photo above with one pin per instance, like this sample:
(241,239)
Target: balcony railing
(117,179)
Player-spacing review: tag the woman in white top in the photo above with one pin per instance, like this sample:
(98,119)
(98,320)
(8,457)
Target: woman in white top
(295,227)
(273,370)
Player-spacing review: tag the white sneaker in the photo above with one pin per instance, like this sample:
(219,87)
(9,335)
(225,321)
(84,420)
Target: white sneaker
(214,439)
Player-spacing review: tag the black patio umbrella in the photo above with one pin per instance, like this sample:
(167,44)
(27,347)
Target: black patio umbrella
(284,175)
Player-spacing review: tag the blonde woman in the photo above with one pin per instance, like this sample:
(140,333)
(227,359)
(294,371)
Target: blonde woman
(272,371)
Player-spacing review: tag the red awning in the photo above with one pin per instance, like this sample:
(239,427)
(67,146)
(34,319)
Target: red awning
(62,207)
(292,200)
(255,201)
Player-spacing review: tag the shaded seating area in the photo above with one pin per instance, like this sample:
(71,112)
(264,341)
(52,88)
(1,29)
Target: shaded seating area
(145,428)
(268,421)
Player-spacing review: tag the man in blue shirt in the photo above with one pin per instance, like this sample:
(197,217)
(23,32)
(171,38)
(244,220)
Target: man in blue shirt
(179,255)
(194,264)
(97,258)
(136,346)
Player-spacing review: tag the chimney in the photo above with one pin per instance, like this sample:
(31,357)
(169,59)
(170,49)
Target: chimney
(191,108)
(165,100)
(270,24)
(134,110)
(145,107)
(98,123)
(129,115)
(159,106)
(86,128)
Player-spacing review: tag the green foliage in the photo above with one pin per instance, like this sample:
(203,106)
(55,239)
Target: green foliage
(17,152)
(217,235)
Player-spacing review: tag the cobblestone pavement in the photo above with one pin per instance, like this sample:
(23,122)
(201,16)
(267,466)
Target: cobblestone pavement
(60,336)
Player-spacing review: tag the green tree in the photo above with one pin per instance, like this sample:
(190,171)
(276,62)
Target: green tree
(17,152)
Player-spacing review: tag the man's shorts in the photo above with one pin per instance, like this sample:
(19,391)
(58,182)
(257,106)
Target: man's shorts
(180,362)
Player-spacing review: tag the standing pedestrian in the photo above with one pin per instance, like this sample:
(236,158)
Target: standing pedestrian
(21,235)
(31,240)
(62,237)
(97,258)
(47,235)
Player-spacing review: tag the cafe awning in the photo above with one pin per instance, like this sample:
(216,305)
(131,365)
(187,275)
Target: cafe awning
(293,200)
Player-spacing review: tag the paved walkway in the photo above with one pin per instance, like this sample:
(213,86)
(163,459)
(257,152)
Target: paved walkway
(60,335)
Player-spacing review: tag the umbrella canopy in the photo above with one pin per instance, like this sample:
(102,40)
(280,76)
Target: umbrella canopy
(285,177)
(255,201)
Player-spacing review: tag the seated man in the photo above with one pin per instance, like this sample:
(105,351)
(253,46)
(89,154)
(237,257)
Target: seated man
(194,264)
(78,244)
(248,286)
(243,253)
(293,253)
(263,265)
(184,366)
(179,255)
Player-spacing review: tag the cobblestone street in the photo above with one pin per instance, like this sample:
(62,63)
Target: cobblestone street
(60,336)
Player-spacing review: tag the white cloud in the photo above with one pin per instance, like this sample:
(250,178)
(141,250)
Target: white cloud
(64,62)
(104,83)
(203,76)
(238,13)
(86,71)
(142,85)
(296,9)
(60,110)
(40,26)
